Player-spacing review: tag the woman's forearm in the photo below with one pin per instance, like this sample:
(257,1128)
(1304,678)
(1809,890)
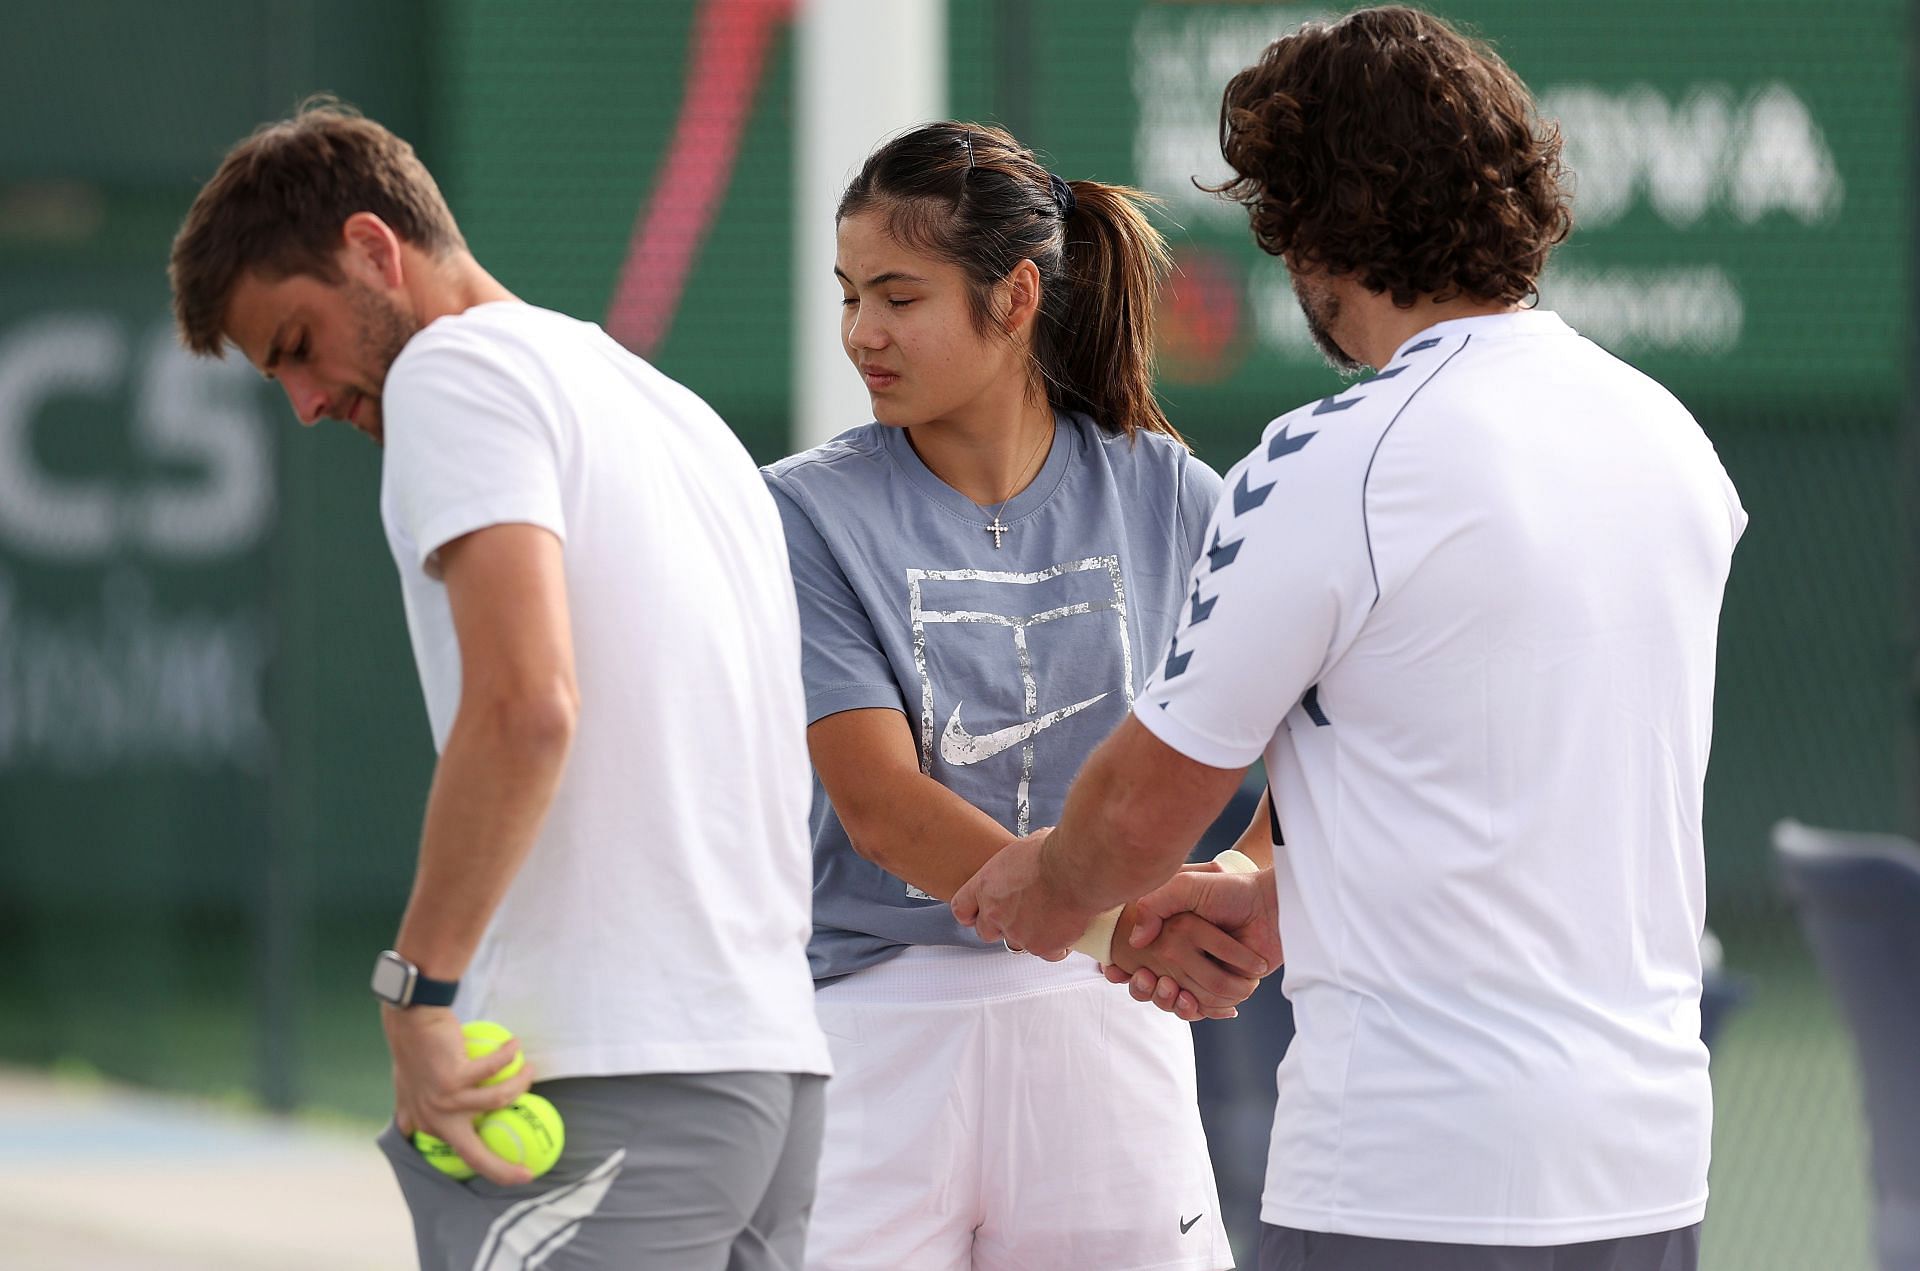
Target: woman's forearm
(921,832)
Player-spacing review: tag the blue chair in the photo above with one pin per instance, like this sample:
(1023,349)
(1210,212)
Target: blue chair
(1858,896)
(1721,991)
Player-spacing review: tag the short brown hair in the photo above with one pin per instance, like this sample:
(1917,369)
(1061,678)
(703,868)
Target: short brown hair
(1390,147)
(277,204)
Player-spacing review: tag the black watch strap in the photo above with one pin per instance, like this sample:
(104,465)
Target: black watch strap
(428,992)
(399,983)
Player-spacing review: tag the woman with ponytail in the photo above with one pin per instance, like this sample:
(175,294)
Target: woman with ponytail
(986,574)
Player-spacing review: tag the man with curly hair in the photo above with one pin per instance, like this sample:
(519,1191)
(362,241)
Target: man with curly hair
(1467,611)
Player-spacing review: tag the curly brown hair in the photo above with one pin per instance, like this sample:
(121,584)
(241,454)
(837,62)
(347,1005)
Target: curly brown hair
(1390,147)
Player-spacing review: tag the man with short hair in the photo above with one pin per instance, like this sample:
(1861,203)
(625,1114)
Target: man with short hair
(1467,610)
(615,859)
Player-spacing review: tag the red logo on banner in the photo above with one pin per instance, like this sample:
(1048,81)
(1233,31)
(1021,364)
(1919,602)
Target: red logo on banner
(1202,319)
(724,66)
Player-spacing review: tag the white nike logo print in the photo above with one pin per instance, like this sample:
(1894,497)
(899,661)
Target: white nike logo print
(960,747)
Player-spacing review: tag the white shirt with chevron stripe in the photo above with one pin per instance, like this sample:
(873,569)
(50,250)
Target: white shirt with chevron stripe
(1467,610)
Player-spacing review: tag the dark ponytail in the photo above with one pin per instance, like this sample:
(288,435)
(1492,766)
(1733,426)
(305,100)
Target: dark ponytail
(972,195)
(1103,343)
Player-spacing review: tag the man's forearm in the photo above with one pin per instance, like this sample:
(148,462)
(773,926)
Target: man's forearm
(1097,856)
(1131,817)
(491,790)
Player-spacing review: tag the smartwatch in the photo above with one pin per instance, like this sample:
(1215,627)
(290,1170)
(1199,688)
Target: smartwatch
(398,982)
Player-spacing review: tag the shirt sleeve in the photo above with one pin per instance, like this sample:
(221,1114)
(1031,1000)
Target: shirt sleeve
(1200,488)
(1282,581)
(1736,512)
(469,444)
(841,660)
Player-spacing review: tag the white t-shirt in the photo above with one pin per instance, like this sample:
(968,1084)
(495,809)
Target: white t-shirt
(660,922)
(1467,610)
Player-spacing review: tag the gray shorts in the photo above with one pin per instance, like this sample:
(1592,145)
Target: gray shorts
(1289,1249)
(674,1171)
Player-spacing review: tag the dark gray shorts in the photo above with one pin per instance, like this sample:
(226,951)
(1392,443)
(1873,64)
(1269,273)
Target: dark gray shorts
(666,1171)
(1289,1249)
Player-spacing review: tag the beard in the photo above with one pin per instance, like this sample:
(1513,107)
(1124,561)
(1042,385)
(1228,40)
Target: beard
(1321,308)
(384,329)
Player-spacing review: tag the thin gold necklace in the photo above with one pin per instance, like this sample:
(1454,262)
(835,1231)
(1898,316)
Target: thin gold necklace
(994,527)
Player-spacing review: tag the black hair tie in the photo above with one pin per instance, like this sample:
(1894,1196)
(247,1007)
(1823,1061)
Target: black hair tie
(1062,196)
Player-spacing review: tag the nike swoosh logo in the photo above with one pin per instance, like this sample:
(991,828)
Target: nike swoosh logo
(960,747)
(1187,1226)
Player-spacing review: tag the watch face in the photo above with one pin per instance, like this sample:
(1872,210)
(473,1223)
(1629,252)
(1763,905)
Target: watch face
(391,978)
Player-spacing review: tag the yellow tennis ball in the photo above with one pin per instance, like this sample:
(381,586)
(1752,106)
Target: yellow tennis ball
(526,1132)
(529,1131)
(441,1156)
(483,1038)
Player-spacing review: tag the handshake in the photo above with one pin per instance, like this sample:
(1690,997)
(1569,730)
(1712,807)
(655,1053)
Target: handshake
(1197,946)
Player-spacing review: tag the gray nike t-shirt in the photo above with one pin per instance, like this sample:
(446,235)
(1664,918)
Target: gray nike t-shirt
(1011,663)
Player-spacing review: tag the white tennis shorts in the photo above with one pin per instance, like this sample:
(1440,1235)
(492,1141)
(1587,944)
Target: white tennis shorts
(993,1112)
